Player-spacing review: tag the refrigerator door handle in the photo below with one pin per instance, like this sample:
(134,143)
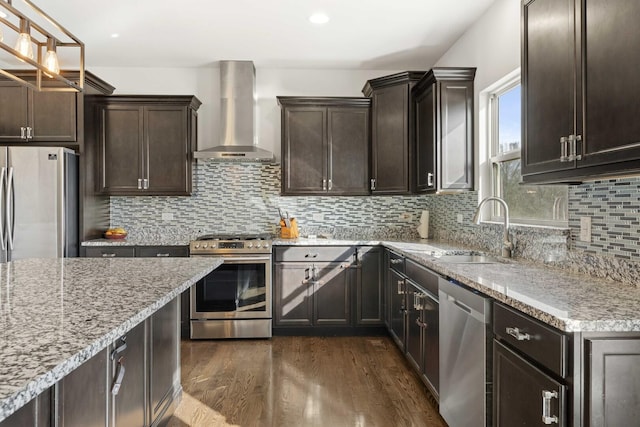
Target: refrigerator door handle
(9,209)
(3,240)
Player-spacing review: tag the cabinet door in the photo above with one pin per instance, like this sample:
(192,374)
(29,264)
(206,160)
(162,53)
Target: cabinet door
(548,83)
(614,373)
(431,343)
(164,359)
(397,307)
(129,403)
(331,294)
(304,150)
(82,394)
(386,287)
(293,289)
(425,110)
(109,251)
(611,129)
(348,133)
(519,392)
(167,150)
(36,413)
(455,139)
(13,111)
(53,116)
(413,344)
(369,291)
(121,161)
(390,140)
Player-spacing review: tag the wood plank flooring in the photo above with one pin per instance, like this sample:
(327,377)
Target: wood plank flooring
(300,382)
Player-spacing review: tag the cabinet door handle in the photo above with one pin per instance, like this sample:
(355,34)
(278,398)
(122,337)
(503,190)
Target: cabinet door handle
(520,336)
(330,184)
(115,388)
(400,290)
(29,132)
(422,324)
(429,179)
(108,255)
(139,183)
(547,418)
(119,349)
(373,183)
(564,152)
(324,185)
(574,148)
(145,184)
(23,131)
(396,261)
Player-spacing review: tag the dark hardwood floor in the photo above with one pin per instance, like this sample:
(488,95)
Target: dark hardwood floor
(299,382)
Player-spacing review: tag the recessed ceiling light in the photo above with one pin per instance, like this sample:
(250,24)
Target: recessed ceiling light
(115,35)
(319,18)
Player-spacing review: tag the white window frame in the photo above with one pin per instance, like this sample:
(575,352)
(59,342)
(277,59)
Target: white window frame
(495,158)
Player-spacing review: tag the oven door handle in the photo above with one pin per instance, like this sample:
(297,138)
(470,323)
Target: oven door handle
(232,259)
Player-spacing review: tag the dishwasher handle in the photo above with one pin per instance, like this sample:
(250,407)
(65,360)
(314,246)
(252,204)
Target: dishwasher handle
(468,310)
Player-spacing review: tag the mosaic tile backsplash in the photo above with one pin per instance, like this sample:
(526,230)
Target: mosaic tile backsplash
(244,197)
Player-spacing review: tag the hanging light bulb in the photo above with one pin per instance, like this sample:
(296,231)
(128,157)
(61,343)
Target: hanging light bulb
(51,58)
(24,45)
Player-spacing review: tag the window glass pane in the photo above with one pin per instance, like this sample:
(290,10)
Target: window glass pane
(530,202)
(509,107)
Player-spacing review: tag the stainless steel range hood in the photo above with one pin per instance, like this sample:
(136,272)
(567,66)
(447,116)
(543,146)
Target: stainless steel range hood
(237,122)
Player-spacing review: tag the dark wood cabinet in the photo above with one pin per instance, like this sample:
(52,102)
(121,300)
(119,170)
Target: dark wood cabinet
(325,145)
(613,370)
(397,308)
(145,144)
(36,413)
(524,395)
(581,96)
(443,108)
(293,299)
(392,132)
(331,299)
(128,353)
(369,296)
(27,115)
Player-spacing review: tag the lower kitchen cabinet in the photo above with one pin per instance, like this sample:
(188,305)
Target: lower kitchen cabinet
(82,396)
(397,308)
(36,413)
(369,294)
(128,373)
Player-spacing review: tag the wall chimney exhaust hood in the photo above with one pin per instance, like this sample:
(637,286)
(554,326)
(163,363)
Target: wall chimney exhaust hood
(239,141)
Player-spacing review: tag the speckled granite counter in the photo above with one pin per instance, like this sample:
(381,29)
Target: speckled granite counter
(570,302)
(55,314)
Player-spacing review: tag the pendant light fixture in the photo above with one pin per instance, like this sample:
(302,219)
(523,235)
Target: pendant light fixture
(51,58)
(24,45)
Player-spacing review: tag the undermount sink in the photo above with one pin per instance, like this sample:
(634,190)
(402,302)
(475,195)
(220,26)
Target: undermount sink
(467,259)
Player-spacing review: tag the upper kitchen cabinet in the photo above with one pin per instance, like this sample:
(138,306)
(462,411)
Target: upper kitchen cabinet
(145,144)
(325,146)
(392,142)
(45,117)
(443,107)
(581,94)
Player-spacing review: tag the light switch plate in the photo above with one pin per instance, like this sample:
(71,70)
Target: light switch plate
(407,216)
(167,216)
(585,229)
(459,218)
(318,217)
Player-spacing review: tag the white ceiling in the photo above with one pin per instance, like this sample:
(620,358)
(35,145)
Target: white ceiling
(362,34)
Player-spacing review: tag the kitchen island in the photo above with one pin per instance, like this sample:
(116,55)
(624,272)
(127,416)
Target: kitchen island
(56,314)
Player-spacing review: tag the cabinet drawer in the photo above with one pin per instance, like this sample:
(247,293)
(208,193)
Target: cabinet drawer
(422,276)
(314,253)
(539,342)
(162,251)
(109,251)
(396,262)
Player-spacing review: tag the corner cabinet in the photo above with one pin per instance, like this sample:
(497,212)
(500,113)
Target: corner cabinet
(443,108)
(145,144)
(325,146)
(392,135)
(581,96)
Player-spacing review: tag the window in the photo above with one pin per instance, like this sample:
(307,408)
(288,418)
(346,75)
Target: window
(528,204)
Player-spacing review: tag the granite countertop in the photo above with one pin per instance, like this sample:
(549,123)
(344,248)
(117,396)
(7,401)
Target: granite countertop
(57,313)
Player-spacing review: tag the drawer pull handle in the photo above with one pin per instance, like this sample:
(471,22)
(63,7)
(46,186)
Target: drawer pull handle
(108,255)
(165,254)
(547,418)
(423,325)
(520,336)
(311,256)
(396,261)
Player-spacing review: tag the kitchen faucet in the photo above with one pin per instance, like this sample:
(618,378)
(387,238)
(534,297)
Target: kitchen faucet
(507,245)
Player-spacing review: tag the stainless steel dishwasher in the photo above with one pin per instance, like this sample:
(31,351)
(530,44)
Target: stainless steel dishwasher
(465,344)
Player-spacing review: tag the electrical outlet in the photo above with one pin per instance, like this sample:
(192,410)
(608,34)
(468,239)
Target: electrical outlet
(406,216)
(167,216)
(585,229)
(318,217)
(459,218)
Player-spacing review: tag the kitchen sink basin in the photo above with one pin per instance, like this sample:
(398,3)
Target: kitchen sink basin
(467,259)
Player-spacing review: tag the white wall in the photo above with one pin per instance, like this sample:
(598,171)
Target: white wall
(492,45)
(270,82)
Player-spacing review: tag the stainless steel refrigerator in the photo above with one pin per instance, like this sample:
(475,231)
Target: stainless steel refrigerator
(38,203)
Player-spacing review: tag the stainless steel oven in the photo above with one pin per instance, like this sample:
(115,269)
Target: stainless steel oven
(234,300)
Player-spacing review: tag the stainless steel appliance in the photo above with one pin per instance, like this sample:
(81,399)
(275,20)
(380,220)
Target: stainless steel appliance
(234,300)
(465,349)
(38,203)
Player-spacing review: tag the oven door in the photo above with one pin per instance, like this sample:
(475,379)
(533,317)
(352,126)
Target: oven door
(238,289)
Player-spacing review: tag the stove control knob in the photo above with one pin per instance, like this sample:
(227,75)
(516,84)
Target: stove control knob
(266,245)
(250,245)
(197,245)
(204,246)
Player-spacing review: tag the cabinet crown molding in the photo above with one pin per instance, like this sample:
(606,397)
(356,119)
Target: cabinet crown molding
(323,101)
(391,80)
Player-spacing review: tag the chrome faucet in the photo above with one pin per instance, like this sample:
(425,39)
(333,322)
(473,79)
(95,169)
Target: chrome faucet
(507,245)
